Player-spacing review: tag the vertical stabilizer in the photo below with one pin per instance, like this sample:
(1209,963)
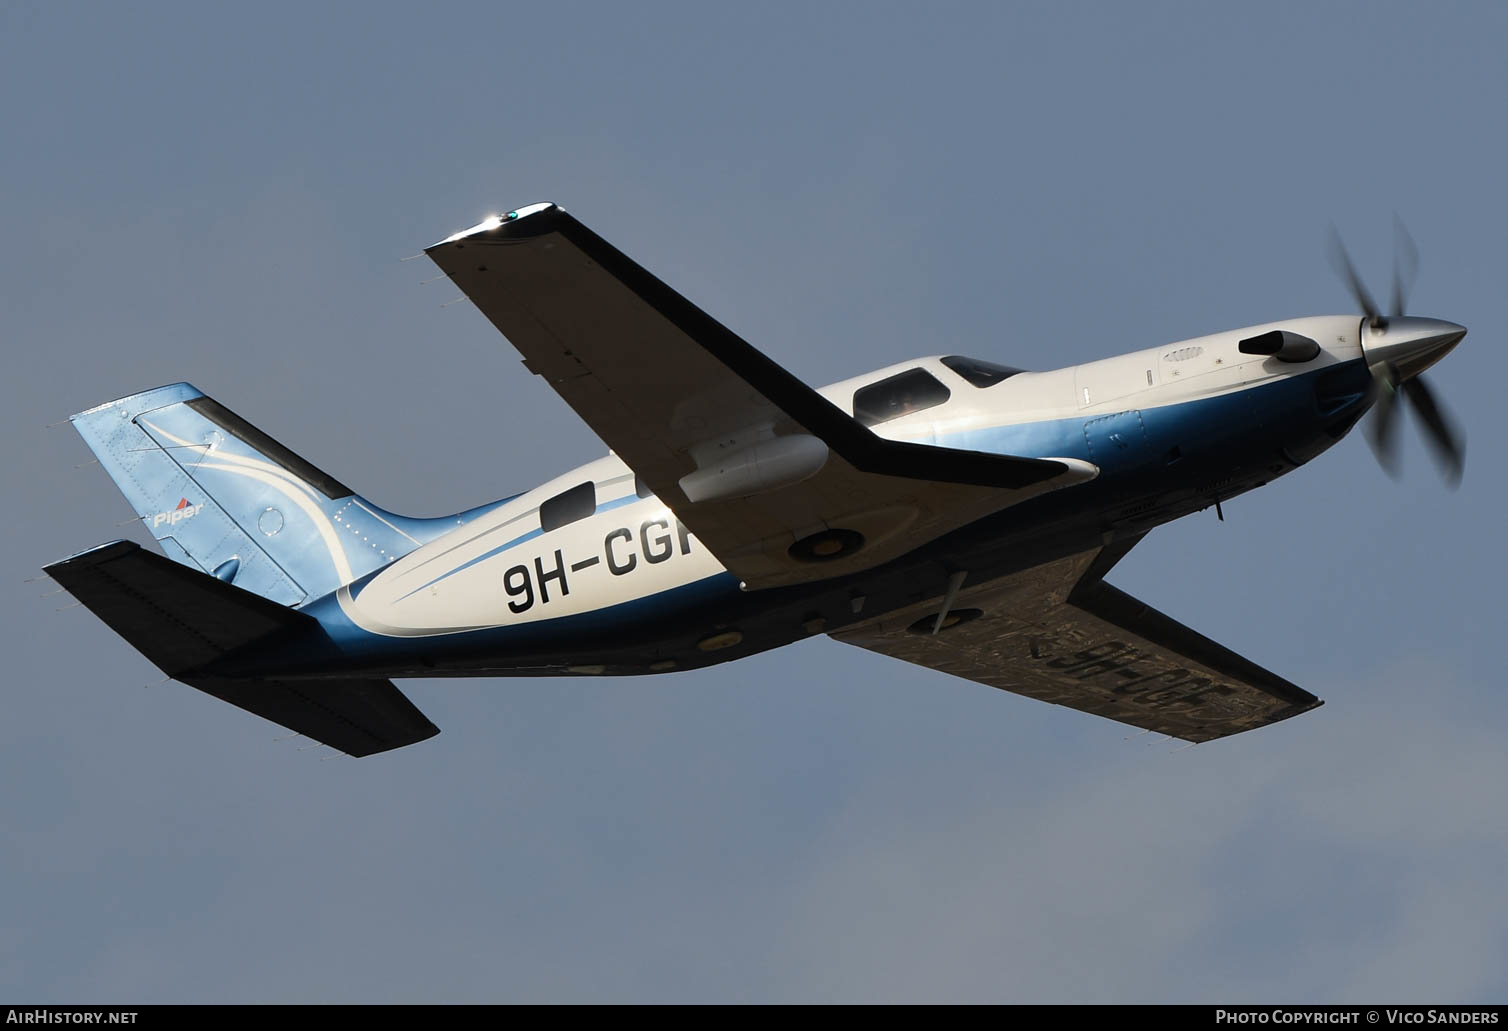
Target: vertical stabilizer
(221,496)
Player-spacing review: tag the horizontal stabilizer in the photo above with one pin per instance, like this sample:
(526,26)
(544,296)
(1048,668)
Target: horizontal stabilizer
(179,618)
(359,717)
(183,621)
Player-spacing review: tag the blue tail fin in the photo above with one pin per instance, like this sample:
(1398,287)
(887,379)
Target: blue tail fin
(222,496)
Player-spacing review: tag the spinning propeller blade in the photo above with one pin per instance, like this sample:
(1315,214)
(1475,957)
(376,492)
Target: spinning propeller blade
(1414,344)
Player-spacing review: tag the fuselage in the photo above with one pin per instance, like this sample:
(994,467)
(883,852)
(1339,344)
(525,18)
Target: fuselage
(585,566)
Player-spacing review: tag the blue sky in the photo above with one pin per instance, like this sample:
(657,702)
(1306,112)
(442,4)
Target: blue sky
(223,196)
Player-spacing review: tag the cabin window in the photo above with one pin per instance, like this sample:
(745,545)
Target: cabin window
(980,373)
(568,506)
(898,395)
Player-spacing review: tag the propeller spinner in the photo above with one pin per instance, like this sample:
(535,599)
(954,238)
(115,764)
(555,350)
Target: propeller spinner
(1398,348)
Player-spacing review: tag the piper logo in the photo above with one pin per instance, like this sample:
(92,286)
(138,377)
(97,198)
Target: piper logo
(183,510)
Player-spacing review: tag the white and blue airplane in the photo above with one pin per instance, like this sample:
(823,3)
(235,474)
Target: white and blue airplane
(948,511)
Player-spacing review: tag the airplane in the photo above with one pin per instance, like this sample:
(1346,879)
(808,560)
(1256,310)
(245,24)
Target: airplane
(949,511)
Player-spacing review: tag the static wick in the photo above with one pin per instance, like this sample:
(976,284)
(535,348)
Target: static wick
(1219,512)
(411,257)
(447,304)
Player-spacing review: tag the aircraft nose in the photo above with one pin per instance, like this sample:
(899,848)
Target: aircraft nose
(1409,344)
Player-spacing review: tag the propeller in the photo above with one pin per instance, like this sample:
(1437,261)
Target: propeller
(1388,381)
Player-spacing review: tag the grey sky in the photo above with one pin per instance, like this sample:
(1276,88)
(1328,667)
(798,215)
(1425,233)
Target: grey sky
(223,197)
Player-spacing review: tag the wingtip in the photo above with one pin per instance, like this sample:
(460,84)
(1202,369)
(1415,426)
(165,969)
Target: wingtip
(492,222)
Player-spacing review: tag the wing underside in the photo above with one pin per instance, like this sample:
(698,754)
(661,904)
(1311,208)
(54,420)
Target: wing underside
(681,399)
(1060,634)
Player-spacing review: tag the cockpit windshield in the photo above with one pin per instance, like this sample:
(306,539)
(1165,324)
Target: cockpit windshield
(979,373)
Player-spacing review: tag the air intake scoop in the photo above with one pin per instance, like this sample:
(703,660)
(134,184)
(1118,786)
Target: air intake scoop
(1282,345)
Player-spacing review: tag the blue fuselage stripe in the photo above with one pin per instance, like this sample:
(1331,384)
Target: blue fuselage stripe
(606,506)
(1185,451)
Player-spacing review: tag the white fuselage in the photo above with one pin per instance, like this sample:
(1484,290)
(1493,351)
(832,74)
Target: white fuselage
(503,569)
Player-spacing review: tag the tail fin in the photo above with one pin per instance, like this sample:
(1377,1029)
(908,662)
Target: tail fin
(221,496)
(185,622)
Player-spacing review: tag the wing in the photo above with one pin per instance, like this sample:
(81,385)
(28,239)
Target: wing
(1060,634)
(780,484)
